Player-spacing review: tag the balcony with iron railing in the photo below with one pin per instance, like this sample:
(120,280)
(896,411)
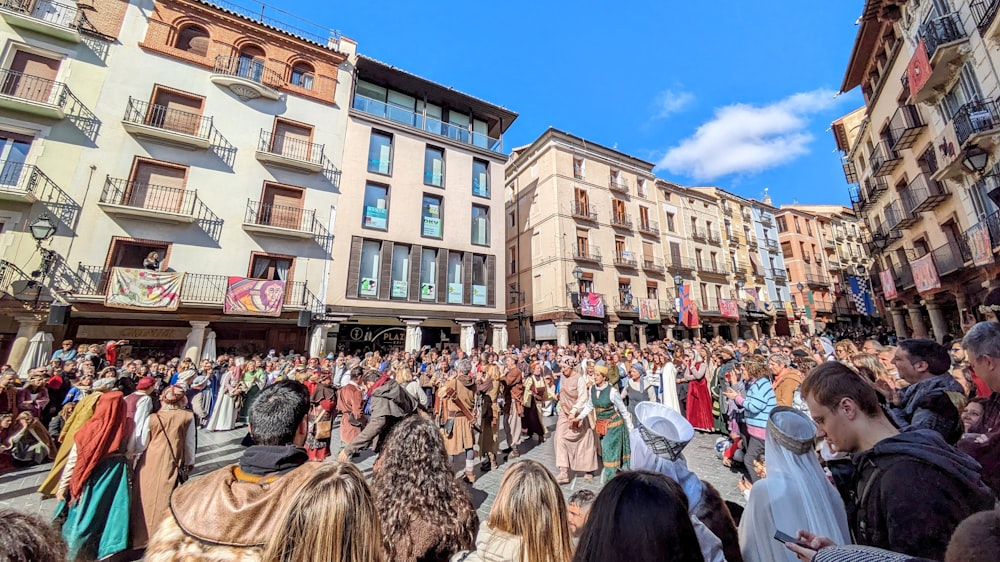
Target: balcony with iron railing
(649,227)
(666,306)
(247,77)
(706,267)
(829,244)
(727,209)
(283,221)
(903,276)
(949,258)
(678,264)
(41,97)
(54,19)
(766,219)
(698,233)
(290,153)
(985,14)
(905,127)
(833,262)
(626,305)
(652,265)
(396,114)
(620,220)
(778,274)
(771,245)
(589,254)
(850,170)
(584,211)
(923,194)
(816,279)
(894,215)
(626,260)
(160,123)
(23,183)
(991,223)
(713,237)
(148,201)
(618,184)
(884,159)
(751,241)
(944,40)
(975,120)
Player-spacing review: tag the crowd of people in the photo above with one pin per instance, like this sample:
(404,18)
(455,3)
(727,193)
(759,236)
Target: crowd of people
(849,450)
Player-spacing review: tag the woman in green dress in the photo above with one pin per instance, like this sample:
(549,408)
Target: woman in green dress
(613,423)
(254,379)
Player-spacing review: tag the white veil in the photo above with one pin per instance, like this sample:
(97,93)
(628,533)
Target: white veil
(795,495)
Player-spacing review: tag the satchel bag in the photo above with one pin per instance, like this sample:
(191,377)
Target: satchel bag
(601,427)
(323,429)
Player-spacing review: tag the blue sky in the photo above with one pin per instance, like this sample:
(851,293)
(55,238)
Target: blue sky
(734,93)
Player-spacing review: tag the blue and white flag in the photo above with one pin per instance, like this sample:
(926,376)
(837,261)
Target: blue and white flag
(862,295)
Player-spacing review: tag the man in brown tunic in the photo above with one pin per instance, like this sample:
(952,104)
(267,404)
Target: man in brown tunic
(457,405)
(513,404)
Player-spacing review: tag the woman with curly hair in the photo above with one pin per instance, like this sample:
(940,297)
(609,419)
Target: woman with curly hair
(426,514)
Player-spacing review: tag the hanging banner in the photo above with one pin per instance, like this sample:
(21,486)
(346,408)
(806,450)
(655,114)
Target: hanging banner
(729,308)
(592,304)
(254,297)
(918,70)
(753,296)
(649,310)
(925,275)
(888,284)
(141,289)
(688,310)
(789,309)
(979,245)
(861,295)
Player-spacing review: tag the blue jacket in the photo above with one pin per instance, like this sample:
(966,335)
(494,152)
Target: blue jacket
(759,402)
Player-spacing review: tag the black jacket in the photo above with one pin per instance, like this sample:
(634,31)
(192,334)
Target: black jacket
(911,491)
(389,404)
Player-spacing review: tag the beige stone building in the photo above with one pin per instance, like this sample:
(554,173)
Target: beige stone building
(418,258)
(921,158)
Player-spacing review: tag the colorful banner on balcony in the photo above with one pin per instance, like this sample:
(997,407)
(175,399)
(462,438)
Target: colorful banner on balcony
(925,275)
(861,295)
(888,284)
(649,310)
(753,296)
(689,310)
(729,308)
(592,304)
(979,245)
(141,289)
(254,297)
(789,309)
(918,71)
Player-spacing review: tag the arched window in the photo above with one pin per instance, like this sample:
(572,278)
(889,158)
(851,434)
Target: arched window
(192,39)
(251,63)
(302,75)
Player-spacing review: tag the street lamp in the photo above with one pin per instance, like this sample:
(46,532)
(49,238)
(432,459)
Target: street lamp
(42,229)
(577,273)
(975,160)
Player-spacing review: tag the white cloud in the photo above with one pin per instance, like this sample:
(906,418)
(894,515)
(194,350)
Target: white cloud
(669,102)
(743,138)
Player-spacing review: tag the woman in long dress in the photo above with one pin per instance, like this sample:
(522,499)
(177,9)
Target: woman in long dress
(224,415)
(487,390)
(253,381)
(172,446)
(613,423)
(668,384)
(322,401)
(576,448)
(699,402)
(81,414)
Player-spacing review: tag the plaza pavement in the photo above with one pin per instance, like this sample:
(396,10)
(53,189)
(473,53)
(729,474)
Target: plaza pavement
(215,450)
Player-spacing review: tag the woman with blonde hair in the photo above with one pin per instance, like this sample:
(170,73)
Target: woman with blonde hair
(844,350)
(871,368)
(333,517)
(527,522)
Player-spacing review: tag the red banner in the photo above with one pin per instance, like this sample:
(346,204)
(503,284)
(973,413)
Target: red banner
(689,310)
(918,71)
(925,275)
(980,245)
(729,308)
(888,284)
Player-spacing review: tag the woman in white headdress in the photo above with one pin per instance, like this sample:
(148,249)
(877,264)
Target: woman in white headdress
(795,495)
(659,437)
(668,384)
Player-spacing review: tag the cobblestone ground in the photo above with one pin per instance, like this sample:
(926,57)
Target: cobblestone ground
(215,450)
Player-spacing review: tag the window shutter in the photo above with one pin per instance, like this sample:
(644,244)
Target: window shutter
(442,280)
(385,271)
(416,257)
(491,285)
(354,267)
(467,278)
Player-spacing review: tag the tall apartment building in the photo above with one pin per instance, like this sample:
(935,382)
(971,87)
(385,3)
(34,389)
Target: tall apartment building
(208,135)
(419,237)
(584,250)
(921,156)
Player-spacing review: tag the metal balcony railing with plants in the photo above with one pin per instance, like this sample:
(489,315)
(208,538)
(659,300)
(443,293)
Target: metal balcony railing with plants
(941,31)
(619,220)
(976,118)
(292,148)
(984,12)
(618,184)
(649,227)
(905,126)
(923,194)
(584,211)
(591,253)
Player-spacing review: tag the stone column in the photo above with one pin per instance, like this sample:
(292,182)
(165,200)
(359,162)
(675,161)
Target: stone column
(500,336)
(611,331)
(27,327)
(938,324)
(696,333)
(642,334)
(734,331)
(195,339)
(917,320)
(670,333)
(755,330)
(414,335)
(562,333)
(317,340)
(899,322)
(467,337)
(715,329)
(770,329)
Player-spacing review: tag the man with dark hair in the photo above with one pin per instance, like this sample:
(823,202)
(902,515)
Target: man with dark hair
(231,513)
(577,511)
(389,403)
(910,489)
(926,403)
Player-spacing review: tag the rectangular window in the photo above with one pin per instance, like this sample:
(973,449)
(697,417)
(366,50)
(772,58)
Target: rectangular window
(480,225)
(434,166)
(368,277)
(376,203)
(670,222)
(175,111)
(512,258)
(154,185)
(480,178)
(579,170)
(400,272)
(432,217)
(380,153)
(294,140)
(263,266)
(479,280)
(428,274)
(644,217)
(455,287)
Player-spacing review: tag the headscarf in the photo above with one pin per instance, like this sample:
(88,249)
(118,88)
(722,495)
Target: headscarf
(104,384)
(660,435)
(173,396)
(101,436)
(795,495)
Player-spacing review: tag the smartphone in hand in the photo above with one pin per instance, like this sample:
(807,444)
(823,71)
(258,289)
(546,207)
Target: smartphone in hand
(784,538)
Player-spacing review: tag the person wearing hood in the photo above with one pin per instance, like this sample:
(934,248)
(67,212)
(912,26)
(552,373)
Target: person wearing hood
(458,402)
(824,349)
(657,444)
(636,390)
(388,403)
(910,489)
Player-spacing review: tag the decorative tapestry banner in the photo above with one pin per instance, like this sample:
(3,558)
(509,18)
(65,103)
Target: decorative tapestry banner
(649,310)
(141,289)
(592,304)
(925,275)
(729,308)
(254,297)
(888,284)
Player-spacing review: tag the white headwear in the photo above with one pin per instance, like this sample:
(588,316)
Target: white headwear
(660,435)
(795,495)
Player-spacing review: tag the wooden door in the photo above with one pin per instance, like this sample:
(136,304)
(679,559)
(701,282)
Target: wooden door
(293,141)
(158,187)
(176,112)
(32,77)
(282,207)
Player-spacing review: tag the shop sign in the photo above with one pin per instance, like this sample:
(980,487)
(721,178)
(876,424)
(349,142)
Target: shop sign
(399,289)
(97,332)
(375,335)
(479,295)
(455,293)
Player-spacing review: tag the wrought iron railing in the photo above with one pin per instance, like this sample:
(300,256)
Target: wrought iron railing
(618,184)
(143,195)
(649,227)
(770,244)
(984,11)
(296,149)
(625,261)
(43,91)
(591,253)
(884,158)
(778,273)
(947,259)
(279,19)
(652,264)
(975,117)
(55,13)
(678,263)
(940,31)
(922,193)
(621,220)
(713,268)
(905,126)
(252,69)
(161,117)
(280,216)
(584,211)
